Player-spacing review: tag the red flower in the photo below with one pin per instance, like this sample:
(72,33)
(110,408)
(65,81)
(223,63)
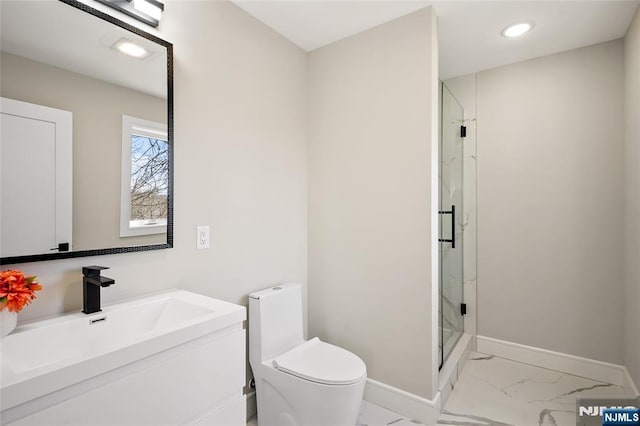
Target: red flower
(16,290)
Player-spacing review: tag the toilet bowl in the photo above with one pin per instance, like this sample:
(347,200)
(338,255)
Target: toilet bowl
(298,382)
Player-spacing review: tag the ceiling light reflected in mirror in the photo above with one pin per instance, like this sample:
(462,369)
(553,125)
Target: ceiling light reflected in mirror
(129,48)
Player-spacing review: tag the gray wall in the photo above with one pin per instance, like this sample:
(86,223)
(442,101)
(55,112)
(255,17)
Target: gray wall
(550,192)
(97,141)
(370,121)
(241,167)
(632,198)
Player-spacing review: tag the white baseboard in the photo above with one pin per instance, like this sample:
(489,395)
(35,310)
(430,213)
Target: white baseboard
(452,368)
(457,356)
(578,366)
(404,403)
(628,383)
(251,405)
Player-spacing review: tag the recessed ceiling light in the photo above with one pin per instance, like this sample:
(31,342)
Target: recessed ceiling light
(128,47)
(517,30)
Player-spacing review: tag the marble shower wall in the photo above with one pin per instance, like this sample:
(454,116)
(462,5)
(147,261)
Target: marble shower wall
(464,90)
(451,259)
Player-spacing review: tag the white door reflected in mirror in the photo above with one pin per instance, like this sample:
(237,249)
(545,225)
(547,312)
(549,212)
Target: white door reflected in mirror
(36,178)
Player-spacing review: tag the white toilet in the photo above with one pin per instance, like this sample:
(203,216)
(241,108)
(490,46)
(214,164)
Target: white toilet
(298,382)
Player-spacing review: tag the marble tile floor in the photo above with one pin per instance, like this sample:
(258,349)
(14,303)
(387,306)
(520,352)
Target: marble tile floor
(372,415)
(493,391)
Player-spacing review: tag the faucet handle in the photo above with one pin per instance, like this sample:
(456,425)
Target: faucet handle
(93,270)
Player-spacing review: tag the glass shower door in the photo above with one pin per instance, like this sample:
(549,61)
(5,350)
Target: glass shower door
(450,213)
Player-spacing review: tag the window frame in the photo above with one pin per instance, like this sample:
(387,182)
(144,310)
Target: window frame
(146,128)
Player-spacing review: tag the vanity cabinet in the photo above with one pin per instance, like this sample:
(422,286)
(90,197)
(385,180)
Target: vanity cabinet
(200,383)
(187,368)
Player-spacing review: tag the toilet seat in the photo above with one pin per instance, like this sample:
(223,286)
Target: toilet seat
(321,362)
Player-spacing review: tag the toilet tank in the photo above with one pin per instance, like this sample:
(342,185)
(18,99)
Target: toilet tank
(275,321)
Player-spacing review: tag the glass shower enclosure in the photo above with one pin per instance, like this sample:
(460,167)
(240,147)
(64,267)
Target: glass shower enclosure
(452,131)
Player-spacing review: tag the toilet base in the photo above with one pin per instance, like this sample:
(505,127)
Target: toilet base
(286,400)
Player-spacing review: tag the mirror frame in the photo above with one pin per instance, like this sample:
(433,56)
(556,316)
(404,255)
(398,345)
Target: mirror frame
(115,250)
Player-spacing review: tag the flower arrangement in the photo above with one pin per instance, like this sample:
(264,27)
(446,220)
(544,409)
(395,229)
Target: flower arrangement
(16,290)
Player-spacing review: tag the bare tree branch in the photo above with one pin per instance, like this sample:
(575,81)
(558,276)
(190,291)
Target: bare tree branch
(149,178)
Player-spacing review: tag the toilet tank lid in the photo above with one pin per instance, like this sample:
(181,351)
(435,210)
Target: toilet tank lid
(322,362)
(274,291)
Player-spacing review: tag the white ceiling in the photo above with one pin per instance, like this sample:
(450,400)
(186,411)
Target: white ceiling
(469,31)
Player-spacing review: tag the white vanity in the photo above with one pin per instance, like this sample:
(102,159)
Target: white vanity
(169,359)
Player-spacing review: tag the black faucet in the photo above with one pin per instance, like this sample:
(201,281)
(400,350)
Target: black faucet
(91,283)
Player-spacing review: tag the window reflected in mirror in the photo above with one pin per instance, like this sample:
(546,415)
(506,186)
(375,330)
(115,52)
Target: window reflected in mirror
(145,177)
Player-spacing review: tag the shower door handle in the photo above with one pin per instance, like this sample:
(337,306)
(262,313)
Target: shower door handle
(452,212)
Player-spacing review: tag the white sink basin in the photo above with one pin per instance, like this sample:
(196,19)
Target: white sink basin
(41,357)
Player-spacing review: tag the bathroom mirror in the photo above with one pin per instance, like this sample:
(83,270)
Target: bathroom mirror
(87,134)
